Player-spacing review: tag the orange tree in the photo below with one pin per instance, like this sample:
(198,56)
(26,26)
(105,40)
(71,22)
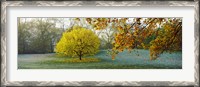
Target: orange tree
(156,34)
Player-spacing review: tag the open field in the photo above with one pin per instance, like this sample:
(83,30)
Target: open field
(124,60)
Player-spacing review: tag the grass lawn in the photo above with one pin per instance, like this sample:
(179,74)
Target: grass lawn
(101,60)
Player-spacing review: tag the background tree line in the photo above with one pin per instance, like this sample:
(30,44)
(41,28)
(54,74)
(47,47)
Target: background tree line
(37,35)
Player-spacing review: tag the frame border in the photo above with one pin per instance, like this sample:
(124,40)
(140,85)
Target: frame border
(5,4)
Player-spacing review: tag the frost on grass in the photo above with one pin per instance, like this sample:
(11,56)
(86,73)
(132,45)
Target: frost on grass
(101,60)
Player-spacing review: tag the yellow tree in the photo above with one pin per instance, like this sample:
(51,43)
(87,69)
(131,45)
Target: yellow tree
(78,42)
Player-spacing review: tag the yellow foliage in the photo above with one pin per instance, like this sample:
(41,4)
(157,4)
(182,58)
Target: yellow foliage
(78,42)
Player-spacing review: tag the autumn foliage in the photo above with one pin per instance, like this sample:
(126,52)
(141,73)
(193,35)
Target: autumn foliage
(156,34)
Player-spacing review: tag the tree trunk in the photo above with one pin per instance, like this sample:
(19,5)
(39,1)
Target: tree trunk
(23,46)
(51,45)
(80,57)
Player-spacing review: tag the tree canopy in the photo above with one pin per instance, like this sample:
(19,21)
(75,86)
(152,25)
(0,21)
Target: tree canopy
(79,42)
(156,34)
